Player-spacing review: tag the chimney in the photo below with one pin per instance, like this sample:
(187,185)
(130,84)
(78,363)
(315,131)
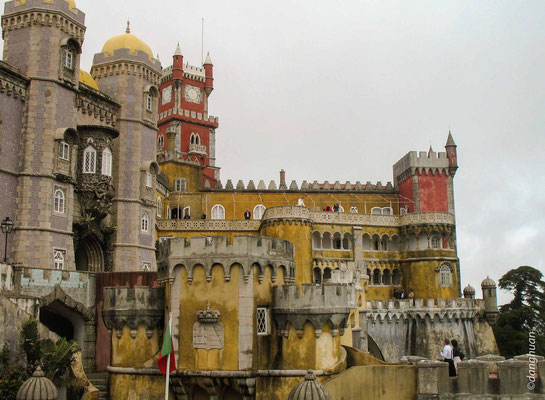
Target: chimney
(282,180)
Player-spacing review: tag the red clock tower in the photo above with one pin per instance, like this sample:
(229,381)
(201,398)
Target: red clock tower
(187,133)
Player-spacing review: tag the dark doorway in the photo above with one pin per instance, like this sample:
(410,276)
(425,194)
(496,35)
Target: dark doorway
(57,323)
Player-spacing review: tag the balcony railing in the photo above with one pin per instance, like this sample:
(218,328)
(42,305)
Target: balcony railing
(197,149)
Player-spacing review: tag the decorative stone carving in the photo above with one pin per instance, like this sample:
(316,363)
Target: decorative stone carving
(208,332)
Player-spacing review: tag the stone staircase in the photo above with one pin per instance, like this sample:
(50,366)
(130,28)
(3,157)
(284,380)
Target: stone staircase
(100,380)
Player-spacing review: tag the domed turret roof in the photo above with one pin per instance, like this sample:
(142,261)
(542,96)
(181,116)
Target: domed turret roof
(87,79)
(309,389)
(71,3)
(488,282)
(127,41)
(469,289)
(37,388)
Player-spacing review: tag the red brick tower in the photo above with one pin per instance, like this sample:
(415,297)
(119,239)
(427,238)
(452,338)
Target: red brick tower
(425,180)
(186,132)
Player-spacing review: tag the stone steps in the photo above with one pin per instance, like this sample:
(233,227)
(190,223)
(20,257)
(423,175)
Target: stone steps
(100,381)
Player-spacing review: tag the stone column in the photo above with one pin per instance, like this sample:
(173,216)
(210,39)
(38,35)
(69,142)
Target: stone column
(432,379)
(473,377)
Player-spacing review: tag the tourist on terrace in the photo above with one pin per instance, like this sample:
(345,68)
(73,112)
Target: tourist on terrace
(446,354)
(247,214)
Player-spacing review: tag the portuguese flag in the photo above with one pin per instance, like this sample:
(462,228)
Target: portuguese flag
(167,360)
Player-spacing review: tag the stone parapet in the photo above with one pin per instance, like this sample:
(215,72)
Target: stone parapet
(132,307)
(472,377)
(422,161)
(316,304)
(432,379)
(12,83)
(96,107)
(449,309)
(208,225)
(244,251)
(40,12)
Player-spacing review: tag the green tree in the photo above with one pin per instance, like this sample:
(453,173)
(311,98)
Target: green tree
(524,314)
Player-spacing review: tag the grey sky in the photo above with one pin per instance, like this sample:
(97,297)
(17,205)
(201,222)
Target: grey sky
(340,90)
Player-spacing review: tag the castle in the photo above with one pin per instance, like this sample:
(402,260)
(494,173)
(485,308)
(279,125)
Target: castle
(121,219)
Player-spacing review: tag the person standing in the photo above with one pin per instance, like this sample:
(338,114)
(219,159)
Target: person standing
(446,353)
(457,355)
(247,214)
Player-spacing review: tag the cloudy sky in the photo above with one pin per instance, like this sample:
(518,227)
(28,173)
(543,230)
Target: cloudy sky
(340,90)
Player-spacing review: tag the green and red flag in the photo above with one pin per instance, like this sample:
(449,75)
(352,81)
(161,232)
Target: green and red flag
(167,359)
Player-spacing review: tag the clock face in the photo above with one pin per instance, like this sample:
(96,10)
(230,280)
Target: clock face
(167,95)
(192,94)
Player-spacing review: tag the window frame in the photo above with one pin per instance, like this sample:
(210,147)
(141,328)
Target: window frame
(159,207)
(149,102)
(148,179)
(107,158)
(59,259)
(64,150)
(445,275)
(256,211)
(68,59)
(180,185)
(144,222)
(262,321)
(91,151)
(217,207)
(59,202)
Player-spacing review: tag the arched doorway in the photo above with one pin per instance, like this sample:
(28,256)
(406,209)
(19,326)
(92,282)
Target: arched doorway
(89,255)
(64,322)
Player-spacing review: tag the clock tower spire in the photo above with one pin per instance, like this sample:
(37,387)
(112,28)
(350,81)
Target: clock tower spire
(186,131)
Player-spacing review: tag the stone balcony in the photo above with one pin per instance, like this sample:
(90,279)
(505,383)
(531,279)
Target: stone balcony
(197,149)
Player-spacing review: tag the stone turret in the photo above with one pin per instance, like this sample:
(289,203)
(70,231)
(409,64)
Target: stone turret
(469,292)
(490,300)
(309,389)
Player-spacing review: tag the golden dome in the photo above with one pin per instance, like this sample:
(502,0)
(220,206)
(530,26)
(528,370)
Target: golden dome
(87,79)
(126,41)
(71,3)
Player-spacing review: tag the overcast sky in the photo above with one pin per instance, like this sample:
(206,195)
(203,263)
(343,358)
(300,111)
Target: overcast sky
(340,90)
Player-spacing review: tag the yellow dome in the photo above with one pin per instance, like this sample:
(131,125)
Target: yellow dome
(126,41)
(71,3)
(87,79)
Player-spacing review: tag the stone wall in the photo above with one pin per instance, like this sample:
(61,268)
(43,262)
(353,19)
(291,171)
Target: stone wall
(400,327)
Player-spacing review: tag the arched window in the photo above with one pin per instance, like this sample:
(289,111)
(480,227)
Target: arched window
(159,207)
(327,274)
(197,139)
(149,102)
(353,210)
(59,200)
(176,213)
(259,210)
(326,240)
(187,212)
(387,211)
(160,142)
(149,179)
(384,243)
(386,277)
(316,240)
(192,138)
(59,259)
(145,222)
(218,212)
(366,242)
(376,242)
(337,241)
(435,242)
(341,209)
(396,277)
(106,162)
(347,239)
(376,277)
(317,275)
(68,56)
(89,160)
(445,275)
(180,185)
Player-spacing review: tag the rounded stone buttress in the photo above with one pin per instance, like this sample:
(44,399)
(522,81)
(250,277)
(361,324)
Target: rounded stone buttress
(38,387)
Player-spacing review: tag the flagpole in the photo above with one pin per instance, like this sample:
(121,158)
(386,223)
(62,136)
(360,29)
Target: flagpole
(168,363)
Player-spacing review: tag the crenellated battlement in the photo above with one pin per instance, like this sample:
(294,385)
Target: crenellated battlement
(132,307)
(196,116)
(244,251)
(318,304)
(42,12)
(428,162)
(305,187)
(449,309)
